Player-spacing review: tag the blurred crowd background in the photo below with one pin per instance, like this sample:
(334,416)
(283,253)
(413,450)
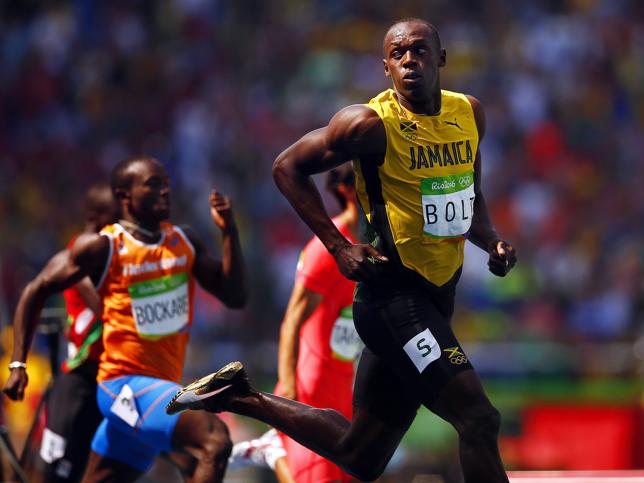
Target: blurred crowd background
(215,89)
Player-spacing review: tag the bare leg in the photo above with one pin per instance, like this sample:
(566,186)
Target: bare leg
(463,403)
(100,469)
(206,439)
(361,447)
(283,472)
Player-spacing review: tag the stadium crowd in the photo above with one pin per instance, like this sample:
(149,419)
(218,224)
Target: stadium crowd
(216,90)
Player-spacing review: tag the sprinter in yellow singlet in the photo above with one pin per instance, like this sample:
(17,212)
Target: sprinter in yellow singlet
(415,150)
(145,270)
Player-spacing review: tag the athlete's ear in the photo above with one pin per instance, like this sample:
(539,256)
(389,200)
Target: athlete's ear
(442,58)
(384,63)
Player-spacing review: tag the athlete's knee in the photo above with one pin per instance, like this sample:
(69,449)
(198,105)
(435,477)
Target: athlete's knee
(481,424)
(217,445)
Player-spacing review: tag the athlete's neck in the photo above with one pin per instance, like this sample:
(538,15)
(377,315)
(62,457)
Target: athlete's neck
(141,233)
(426,107)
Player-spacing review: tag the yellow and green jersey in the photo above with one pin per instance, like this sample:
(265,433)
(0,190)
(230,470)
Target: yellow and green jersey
(420,200)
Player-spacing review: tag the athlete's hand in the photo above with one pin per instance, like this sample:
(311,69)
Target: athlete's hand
(359,262)
(221,210)
(16,384)
(502,258)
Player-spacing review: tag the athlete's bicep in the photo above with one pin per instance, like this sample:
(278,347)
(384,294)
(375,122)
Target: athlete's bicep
(60,273)
(312,154)
(89,256)
(354,132)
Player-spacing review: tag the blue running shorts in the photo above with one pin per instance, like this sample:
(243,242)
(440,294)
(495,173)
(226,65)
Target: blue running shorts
(136,439)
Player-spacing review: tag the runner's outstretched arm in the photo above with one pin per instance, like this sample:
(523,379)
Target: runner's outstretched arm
(300,307)
(354,132)
(225,279)
(87,257)
(482,232)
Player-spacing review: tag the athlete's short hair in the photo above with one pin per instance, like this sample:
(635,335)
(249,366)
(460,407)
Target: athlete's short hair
(342,175)
(434,35)
(121,177)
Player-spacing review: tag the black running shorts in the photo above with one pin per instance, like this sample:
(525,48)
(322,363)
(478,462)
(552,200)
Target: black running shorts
(411,351)
(72,419)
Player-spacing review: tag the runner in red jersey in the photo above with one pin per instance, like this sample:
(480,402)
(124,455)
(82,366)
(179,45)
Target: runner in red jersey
(84,328)
(72,412)
(318,341)
(317,349)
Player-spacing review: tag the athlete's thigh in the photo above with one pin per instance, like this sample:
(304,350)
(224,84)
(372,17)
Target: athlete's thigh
(383,410)
(411,332)
(462,398)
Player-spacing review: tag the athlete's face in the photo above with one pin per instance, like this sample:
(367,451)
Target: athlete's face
(412,59)
(150,191)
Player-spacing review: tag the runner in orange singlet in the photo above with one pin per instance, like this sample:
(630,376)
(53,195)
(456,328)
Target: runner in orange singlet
(317,349)
(65,443)
(144,269)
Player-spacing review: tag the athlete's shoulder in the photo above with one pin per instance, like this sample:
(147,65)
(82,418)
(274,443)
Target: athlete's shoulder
(454,101)
(357,129)
(479,113)
(383,101)
(92,247)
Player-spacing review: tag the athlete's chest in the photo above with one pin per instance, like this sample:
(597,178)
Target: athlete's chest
(138,262)
(430,147)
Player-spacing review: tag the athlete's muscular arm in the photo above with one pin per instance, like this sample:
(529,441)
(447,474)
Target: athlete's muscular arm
(225,279)
(300,307)
(482,232)
(354,132)
(86,258)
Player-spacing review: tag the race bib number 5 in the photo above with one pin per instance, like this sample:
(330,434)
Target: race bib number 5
(160,306)
(448,204)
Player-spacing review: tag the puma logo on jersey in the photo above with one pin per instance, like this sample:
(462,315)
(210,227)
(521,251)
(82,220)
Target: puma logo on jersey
(455,123)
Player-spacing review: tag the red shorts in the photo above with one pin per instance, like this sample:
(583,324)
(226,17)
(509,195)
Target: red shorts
(327,390)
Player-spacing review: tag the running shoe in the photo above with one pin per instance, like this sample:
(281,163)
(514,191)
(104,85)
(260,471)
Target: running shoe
(262,452)
(205,393)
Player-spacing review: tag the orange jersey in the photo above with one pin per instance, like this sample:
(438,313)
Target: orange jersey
(148,293)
